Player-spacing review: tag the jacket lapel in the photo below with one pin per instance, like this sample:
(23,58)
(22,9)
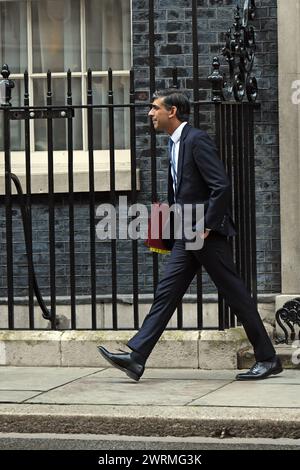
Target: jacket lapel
(185,132)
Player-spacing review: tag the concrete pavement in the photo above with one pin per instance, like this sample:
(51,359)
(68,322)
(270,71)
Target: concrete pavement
(166,402)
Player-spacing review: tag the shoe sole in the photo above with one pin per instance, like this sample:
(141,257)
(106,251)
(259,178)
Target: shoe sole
(129,373)
(275,372)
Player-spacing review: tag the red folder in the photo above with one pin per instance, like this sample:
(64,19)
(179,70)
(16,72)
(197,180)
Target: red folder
(157,222)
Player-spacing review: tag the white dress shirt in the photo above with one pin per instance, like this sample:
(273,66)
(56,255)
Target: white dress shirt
(175,150)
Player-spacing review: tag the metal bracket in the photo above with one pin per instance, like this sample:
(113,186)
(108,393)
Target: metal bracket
(290,315)
(239,52)
(45,113)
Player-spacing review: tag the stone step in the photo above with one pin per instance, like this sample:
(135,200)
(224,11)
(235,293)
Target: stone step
(289,355)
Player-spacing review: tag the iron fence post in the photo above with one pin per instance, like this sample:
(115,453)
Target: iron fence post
(6,85)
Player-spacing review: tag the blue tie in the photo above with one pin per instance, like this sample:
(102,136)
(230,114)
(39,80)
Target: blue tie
(172,161)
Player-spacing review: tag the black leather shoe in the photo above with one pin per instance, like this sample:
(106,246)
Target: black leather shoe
(262,370)
(124,362)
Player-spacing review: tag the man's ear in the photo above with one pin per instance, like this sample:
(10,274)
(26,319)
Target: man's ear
(173,111)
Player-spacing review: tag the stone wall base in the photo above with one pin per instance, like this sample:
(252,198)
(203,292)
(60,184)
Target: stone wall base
(206,349)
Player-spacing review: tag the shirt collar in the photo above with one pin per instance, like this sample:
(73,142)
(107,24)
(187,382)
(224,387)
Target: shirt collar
(177,133)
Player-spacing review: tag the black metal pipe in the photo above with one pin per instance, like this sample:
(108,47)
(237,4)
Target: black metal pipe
(199,300)
(8,214)
(90,122)
(239,192)
(28,199)
(28,245)
(175,77)
(197,124)
(252,212)
(241,167)
(179,316)
(195,62)
(51,206)
(133,201)
(225,155)
(247,198)
(219,143)
(71,204)
(230,172)
(112,197)
(152,131)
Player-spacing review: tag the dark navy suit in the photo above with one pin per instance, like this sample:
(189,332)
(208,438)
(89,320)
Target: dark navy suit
(201,179)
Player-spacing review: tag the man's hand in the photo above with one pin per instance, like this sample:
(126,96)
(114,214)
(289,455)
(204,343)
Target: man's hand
(205,234)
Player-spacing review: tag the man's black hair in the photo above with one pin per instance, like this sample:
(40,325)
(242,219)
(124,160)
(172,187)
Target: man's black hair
(174,97)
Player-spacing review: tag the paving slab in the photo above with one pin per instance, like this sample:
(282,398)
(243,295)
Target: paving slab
(175,374)
(99,389)
(13,396)
(40,378)
(288,377)
(248,394)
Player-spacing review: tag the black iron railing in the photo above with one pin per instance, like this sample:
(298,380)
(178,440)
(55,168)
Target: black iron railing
(235,140)
(234,134)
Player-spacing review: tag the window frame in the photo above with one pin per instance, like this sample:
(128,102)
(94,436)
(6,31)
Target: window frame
(122,164)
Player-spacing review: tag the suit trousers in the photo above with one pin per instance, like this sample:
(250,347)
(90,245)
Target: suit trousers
(216,257)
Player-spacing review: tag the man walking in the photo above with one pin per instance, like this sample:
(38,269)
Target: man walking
(196,176)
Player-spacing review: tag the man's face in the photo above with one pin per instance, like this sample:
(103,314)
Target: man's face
(160,115)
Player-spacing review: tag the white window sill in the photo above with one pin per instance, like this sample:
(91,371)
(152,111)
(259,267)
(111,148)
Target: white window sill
(39,171)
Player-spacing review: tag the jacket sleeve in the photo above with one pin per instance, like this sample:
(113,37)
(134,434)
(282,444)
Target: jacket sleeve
(213,173)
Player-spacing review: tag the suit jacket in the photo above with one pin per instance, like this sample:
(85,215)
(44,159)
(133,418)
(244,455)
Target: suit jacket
(201,179)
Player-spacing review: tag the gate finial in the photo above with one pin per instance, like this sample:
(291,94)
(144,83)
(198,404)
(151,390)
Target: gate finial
(217,81)
(6,86)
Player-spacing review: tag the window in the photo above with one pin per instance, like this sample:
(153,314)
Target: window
(57,35)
